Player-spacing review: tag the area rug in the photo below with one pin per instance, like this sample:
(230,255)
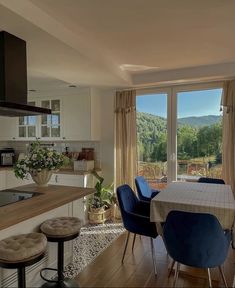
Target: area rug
(92,241)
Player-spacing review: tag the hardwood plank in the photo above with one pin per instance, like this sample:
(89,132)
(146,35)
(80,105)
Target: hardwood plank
(137,271)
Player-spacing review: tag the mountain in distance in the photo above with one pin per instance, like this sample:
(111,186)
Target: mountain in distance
(200,121)
(160,122)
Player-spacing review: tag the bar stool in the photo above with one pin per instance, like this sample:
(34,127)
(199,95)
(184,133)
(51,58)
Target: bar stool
(18,252)
(60,230)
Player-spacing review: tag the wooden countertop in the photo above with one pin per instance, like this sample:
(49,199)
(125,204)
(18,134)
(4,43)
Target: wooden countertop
(61,171)
(52,197)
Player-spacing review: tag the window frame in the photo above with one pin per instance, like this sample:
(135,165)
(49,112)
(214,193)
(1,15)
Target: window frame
(171,92)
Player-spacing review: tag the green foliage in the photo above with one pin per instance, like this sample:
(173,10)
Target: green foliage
(104,195)
(200,121)
(196,137)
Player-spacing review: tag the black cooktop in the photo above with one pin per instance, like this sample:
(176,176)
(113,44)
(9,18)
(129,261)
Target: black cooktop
(9,196)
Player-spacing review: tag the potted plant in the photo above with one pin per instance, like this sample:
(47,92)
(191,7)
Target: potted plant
(39,163)
(101,202)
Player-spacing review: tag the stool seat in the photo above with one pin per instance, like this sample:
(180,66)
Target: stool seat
(20,251)
(22,247)
(61,226)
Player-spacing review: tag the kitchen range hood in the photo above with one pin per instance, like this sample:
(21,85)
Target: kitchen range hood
(13,78)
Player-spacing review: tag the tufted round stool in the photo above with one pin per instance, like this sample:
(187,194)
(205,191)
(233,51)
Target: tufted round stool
(60,230)
(18,252)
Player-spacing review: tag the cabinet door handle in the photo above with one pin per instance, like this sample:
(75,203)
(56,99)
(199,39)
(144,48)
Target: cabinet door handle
(13,138)
(56,178)
(64,137)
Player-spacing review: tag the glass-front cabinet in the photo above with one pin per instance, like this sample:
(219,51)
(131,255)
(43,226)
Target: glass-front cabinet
(41,126)
(27,125)
(50,124)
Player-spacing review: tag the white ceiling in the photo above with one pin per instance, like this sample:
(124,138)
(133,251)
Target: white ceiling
(88,42)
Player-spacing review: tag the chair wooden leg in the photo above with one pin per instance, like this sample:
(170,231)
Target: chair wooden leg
(176,274)
(124,252)
(171,268)
(209,277)
(223,276)
(153,256)
(133,243)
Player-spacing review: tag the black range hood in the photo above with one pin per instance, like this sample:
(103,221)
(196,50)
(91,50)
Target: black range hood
(13,78)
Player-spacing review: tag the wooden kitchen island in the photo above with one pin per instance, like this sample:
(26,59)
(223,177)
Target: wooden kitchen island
(26,216)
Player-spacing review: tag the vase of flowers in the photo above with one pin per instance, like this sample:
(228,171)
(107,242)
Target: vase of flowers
(39,163)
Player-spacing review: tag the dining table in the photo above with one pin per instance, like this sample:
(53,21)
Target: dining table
(216,199)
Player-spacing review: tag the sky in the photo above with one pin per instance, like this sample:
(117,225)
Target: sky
(194,103)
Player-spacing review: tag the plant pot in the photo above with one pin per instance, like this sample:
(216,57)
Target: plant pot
(116,212)
(99,215)
(42,178)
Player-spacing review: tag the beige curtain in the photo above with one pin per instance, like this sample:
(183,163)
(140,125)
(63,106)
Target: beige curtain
(228,103)
(125,138)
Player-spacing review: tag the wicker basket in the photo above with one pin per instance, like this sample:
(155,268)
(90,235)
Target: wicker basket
(99,215)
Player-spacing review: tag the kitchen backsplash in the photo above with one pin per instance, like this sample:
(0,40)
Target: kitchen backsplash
(73,146)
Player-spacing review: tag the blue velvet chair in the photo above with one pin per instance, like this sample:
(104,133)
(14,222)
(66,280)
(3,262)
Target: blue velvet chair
(211,180)
(136,217)
(196,239)
(145,193)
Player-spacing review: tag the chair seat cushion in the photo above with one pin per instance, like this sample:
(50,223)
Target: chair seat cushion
(61,226)
(21,247)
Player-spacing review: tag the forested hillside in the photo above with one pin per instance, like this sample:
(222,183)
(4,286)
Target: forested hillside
(200,121)
(197,137)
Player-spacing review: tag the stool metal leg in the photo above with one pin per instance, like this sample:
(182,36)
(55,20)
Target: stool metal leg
(21,277)
(60,258)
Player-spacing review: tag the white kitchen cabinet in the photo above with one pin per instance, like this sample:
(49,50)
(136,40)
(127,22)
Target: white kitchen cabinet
(44,127)
(2,180)
(12,181)
(75,117)
(8,128)
(80,206)
(81,116)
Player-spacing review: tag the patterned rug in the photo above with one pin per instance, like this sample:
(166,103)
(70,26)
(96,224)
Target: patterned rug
(92,241)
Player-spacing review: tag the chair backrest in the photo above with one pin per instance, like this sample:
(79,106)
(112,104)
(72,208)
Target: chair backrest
(195,239)
(211,180)
(143,188)
(130,206)
(126,198)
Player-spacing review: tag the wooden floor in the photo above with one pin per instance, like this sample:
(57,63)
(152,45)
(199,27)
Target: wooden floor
(137,270)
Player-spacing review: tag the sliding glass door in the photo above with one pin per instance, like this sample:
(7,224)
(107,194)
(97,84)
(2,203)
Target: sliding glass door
(179,133)
(199,134)
(152,137)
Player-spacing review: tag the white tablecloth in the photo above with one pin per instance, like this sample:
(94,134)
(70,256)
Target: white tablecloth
(216,199)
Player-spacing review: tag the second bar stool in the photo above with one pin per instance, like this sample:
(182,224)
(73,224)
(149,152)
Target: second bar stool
(60,230)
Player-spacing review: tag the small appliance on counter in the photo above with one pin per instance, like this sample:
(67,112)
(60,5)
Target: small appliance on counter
(7,157)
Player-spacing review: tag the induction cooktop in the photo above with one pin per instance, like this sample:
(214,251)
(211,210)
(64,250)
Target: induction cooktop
(9,196)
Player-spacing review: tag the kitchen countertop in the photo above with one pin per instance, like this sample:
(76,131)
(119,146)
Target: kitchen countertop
(61,171)
(52,197)
(75,172)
